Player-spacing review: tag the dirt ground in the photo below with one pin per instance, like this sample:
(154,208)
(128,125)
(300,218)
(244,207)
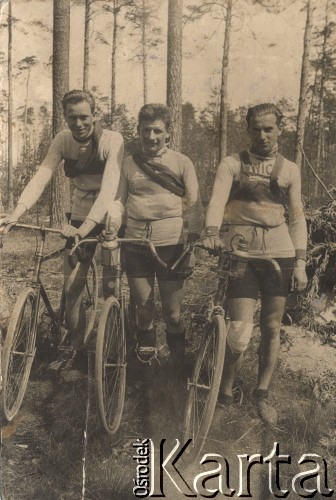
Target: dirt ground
(56,449)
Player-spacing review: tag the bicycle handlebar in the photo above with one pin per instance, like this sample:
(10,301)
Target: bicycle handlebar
(35,228)
(140,241)
(239,253)
(148,242)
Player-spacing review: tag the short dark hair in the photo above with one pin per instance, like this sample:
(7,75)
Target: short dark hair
(76,96)
(264,109)
(155,111)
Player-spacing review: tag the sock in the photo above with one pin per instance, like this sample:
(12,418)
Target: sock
(260,393)
(176,344)
(146,338)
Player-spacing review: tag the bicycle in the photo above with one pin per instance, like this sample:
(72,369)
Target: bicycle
(203,386)
(20,342)
(110,358)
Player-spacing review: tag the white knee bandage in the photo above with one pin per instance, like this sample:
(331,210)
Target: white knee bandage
(239,335)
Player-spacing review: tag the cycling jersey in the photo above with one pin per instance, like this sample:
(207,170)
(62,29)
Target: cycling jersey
(152,210)
(88,185)
(257,212)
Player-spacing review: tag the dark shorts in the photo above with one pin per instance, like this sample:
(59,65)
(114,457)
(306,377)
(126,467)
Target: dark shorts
(90,248)
(260,278)
(139,262)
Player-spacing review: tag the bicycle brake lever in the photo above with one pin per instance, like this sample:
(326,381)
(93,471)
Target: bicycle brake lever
(185,252)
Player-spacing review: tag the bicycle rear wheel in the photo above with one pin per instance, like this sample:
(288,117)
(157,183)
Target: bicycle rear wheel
(18,353)
(110,365)
(90,300)
(204,386)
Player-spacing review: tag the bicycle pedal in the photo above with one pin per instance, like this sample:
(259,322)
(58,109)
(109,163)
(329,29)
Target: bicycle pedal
(55,366)
(66,355)
(147,354)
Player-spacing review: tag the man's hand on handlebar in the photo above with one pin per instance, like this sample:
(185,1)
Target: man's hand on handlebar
(69,231)
(111,230)
(212,244)
(5,224)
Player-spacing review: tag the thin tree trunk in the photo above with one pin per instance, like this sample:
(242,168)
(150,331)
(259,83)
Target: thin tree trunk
(174,70)
(25,118)
(225,73)
(303,85)
(144,51)
(308,133)
(320,137)
(10,200)
(86,66)
(116,9)
(320,141)
(60,198)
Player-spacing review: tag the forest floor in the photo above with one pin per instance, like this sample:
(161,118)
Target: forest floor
(56,449)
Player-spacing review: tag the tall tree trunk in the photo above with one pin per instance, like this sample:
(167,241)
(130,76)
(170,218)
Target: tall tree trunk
(10,200)
(225,72)
(60,198)
(25,119)
(174,70)
(144,51)
(320,141)
(320,136)
(86,66)
(116,9)
(303,85)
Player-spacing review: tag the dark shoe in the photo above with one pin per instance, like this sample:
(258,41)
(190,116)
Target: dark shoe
(66,355)
(176,344)
(145,348)
(228,400)
(266,412)
(224,400)
(76,367)
(80,362)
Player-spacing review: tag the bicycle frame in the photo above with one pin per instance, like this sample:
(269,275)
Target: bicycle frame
(36,283)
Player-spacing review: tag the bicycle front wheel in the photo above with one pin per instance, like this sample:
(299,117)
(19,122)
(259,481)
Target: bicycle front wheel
(110,365)
(90,300)
(18,353)
(204,386)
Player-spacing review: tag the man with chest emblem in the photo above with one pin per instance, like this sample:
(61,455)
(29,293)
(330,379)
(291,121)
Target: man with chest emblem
(251,193)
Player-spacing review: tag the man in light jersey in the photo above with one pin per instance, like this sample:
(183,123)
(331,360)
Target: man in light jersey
(156,210)
(92,159)
(249,198)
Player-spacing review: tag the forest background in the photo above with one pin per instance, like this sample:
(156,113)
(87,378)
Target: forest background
(208,60)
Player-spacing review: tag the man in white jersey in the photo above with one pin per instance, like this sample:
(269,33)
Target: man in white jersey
(249,197)
(158,189)
(92,159)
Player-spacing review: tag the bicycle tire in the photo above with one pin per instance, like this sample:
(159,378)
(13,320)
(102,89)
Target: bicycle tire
(204,386)
(130,322)
(18,353)
(90,300)
(110,365)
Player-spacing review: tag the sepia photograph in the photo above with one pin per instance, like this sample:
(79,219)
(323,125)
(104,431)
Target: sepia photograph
(167,249)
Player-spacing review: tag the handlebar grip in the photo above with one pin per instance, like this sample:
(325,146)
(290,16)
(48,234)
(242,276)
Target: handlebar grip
(72,260)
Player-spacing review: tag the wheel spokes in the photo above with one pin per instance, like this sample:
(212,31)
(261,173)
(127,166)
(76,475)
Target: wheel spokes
(113,364)
(202,387)
(21,354)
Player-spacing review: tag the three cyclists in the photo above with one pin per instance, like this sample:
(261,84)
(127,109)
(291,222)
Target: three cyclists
(250,193)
